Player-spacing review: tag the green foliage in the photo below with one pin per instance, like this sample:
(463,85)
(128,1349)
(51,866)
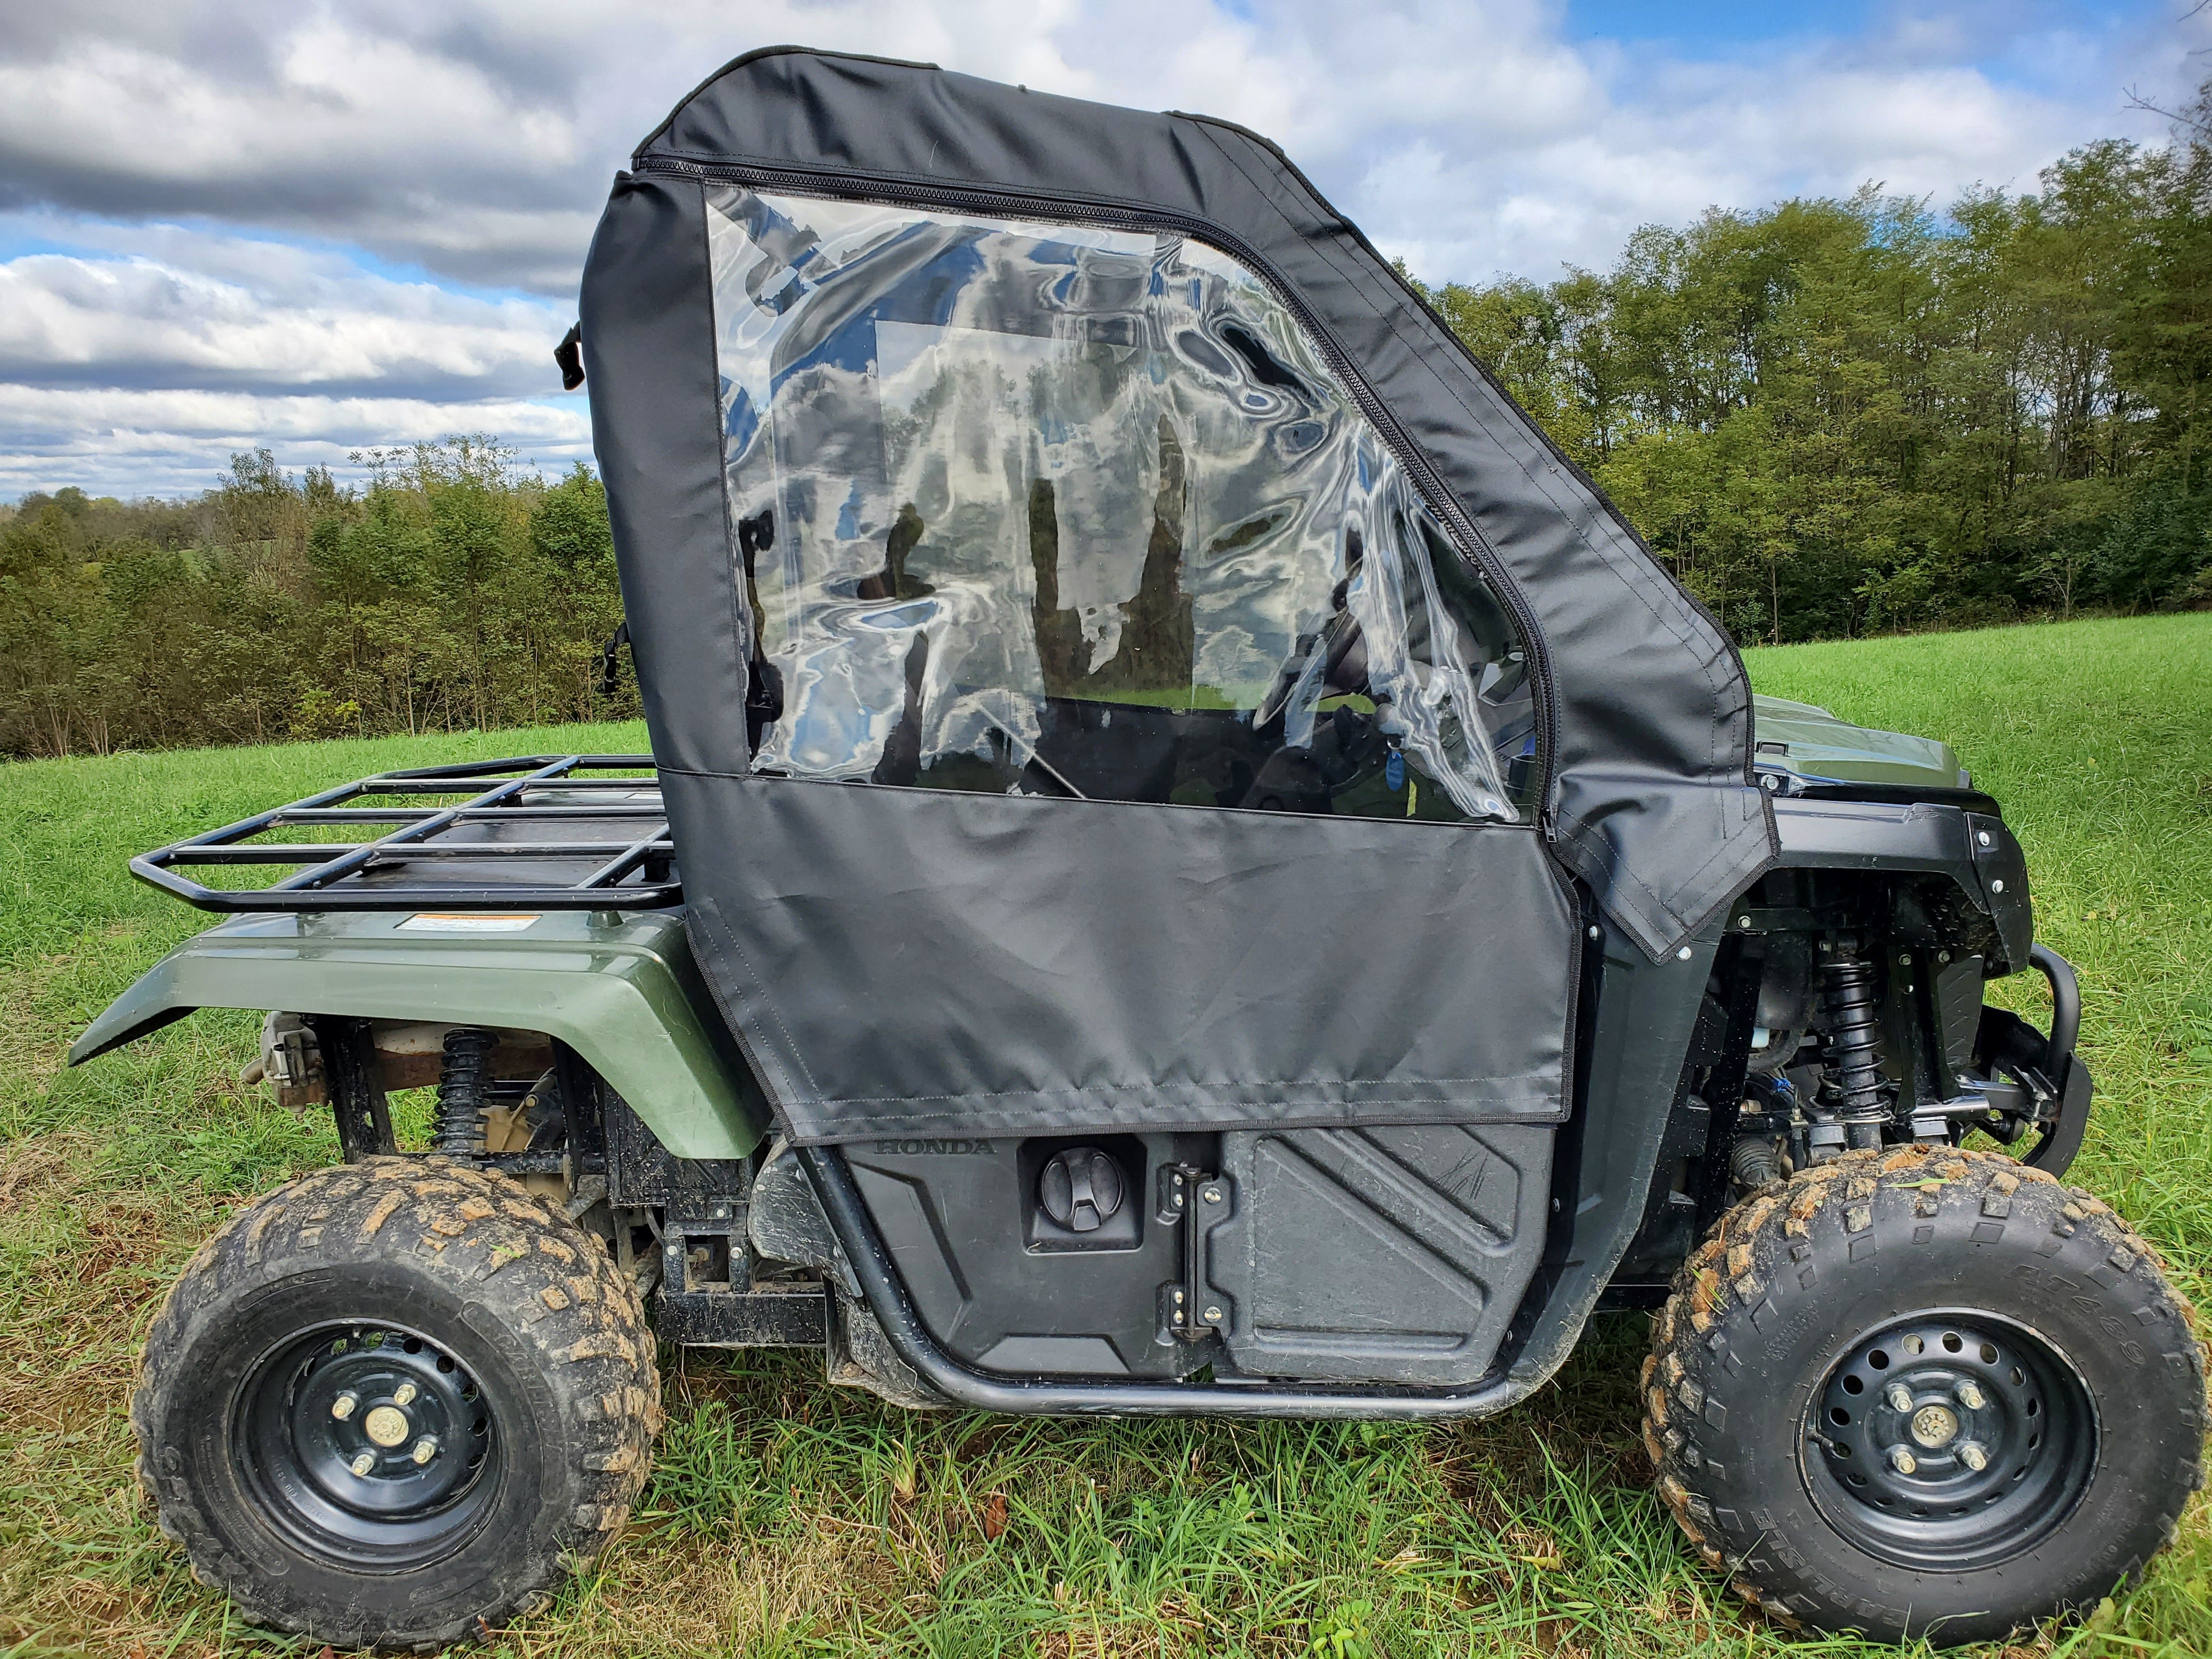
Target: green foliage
(1835,417)
(1344,1633)
(452,593)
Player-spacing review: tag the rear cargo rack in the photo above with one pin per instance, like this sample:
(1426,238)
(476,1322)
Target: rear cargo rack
(524,824)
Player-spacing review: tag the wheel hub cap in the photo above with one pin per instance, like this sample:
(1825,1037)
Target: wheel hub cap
(387,1426)
(1932,1426)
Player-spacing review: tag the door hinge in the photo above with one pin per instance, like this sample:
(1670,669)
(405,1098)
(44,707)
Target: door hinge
(1196,1201)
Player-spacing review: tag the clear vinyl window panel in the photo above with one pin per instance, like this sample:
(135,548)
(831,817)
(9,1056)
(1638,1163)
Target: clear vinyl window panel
(1043,509)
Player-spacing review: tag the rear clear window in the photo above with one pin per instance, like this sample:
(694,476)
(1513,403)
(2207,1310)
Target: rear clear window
(1044,509)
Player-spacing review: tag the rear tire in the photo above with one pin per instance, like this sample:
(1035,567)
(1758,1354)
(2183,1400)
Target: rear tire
(390,1403)
(1919,1393)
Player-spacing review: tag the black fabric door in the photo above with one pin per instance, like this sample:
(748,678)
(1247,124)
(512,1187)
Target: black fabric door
(903,963)
(1147,755)
(1134,748)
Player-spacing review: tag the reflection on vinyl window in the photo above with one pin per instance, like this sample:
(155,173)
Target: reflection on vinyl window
(1044,509)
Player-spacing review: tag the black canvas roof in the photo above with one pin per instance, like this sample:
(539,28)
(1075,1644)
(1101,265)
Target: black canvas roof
(1648,795)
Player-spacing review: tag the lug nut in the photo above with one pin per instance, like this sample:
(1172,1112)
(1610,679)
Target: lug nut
(1903,1460)
(425,1450)
(1900,1397)
(1969,1396)
(363,1463)
(1973,1457)
(343,1406)
(404,1394)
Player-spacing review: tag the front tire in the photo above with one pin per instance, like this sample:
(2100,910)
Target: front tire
(1919,1393)
(389,1403)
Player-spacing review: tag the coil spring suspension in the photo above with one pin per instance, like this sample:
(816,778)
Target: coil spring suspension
(1850,1092)
(463,1091)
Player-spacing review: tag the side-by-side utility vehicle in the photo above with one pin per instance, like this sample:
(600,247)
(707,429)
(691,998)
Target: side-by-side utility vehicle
(1191,862)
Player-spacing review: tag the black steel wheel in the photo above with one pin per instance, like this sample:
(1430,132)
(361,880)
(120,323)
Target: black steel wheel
(392,1403)
(1917,1393)
(1950,1440)
(368,1445)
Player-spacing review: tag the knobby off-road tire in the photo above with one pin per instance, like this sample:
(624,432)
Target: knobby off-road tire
(1954,1276)
(355,1314)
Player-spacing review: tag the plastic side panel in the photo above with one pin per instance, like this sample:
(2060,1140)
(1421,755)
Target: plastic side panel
(1387,1255)
(913,962)
(951,1214)
(1978,851)
(625,999)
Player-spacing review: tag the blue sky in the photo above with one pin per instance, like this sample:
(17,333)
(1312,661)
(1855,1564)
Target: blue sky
(1709,24)
(328,225)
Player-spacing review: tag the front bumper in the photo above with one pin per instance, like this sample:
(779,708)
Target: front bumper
(2051,1083)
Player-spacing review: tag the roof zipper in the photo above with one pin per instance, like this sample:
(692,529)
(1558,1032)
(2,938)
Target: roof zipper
(838,184)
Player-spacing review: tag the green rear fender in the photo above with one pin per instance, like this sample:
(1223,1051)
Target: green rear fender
(623,993)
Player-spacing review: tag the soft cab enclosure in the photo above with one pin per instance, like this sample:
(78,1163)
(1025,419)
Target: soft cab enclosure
(1119,668)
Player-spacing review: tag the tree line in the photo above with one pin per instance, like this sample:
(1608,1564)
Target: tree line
(1827,417)
(453,591)
(1836,417)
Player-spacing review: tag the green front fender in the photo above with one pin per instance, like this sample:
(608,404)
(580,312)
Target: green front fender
(623,993)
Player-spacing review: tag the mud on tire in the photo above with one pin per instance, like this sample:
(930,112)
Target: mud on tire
(1804,1339)
(475,1319)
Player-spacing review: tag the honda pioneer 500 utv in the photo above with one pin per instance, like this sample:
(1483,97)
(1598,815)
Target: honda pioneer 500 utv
(1191,862)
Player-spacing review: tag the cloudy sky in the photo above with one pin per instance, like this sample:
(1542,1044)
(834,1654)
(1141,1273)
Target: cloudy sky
(324,227)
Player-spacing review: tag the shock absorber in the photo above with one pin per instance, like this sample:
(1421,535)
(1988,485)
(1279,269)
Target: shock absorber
(463,1091)
(1850,1090)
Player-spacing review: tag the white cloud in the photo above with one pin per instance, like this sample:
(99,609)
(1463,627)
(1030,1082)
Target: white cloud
(151,442)
(162,144)
(139,363)
(265,315)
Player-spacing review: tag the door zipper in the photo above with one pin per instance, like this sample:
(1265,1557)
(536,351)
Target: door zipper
(840,184)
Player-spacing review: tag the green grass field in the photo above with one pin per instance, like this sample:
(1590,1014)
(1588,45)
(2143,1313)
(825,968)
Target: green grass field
(789,1517)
